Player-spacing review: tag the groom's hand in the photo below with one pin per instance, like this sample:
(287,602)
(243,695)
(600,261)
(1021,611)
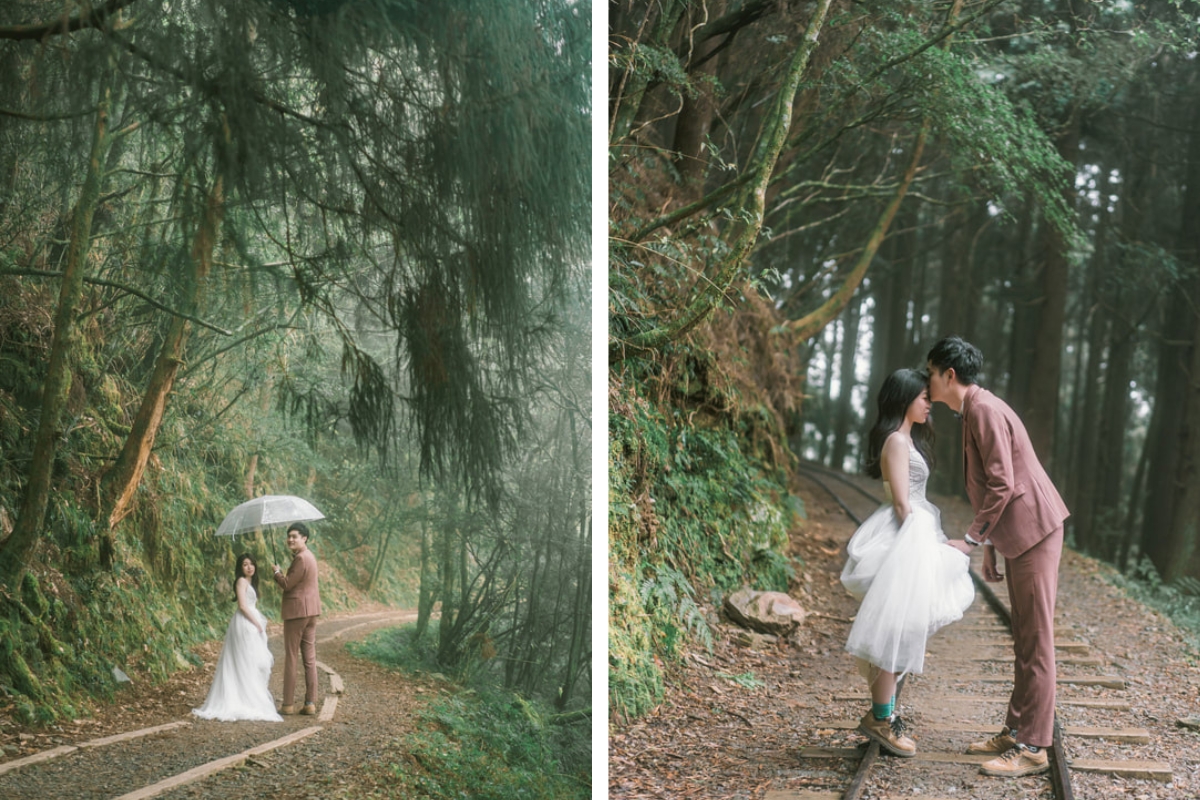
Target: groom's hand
(990,573)
(960,545)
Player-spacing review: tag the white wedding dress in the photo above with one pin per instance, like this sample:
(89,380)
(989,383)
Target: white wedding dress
(239,688)
(909,580)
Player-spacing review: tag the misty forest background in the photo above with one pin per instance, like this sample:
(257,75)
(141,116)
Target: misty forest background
(333,248)
(806,195)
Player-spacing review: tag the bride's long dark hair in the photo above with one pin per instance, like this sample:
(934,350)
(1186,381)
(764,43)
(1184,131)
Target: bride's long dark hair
(895,396)
(237,572)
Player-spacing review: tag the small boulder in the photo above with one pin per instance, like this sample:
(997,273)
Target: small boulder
(775,613)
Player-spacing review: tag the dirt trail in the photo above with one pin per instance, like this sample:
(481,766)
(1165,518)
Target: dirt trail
(377,708)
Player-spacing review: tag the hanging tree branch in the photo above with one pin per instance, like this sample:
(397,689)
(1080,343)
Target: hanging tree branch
(750,206)
(686,211)
(87,17)
(43,273)
(810,324)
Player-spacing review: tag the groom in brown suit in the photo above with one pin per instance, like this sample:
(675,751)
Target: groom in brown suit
(1019,513)
(300,608)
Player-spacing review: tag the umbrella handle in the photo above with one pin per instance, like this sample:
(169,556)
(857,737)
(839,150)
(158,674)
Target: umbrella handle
(273,553)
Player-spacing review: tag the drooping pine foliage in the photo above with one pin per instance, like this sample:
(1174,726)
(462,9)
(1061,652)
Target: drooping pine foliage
(369,215)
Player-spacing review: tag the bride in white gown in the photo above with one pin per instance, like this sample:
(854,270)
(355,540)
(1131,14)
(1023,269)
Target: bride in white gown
(239,688)
(910,581)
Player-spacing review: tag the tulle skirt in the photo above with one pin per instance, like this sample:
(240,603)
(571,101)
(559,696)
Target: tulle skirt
(911,583)
(239,689)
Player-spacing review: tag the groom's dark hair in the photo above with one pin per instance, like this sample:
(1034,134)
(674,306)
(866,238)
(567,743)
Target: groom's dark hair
(955,353)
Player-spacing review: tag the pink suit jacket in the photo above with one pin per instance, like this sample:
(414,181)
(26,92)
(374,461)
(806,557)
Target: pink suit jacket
(301,597)
(1015,503)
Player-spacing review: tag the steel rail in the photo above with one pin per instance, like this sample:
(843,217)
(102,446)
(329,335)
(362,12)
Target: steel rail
(836,498)
(1060,777)
(837,476)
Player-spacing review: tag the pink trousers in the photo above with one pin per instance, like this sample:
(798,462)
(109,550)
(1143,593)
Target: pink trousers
(1032,579)
(300,636)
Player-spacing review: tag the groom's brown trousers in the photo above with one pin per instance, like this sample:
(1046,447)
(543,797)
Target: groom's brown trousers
(1032,579)
(300,636)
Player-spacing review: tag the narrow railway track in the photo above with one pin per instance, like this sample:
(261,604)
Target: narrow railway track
(955,703)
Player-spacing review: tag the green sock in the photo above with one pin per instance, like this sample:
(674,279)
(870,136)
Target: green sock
(883,710)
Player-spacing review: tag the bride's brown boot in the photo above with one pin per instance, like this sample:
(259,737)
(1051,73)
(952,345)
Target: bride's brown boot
(889,733)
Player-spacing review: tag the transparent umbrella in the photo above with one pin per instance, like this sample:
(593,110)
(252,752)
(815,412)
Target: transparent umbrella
(268,511)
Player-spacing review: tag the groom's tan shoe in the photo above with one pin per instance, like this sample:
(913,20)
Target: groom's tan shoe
(1016,762)
(287,710)
(309,709)
(999,744)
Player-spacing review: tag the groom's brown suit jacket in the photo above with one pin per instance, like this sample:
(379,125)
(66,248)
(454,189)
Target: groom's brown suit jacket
(301,597)
(1016,505)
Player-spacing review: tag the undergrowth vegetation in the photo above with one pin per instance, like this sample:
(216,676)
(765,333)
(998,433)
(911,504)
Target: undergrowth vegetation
(479,741)
(698,503)
(1178,600)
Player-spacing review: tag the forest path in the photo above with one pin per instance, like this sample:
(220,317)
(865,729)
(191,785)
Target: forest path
(376,708)
(736,722)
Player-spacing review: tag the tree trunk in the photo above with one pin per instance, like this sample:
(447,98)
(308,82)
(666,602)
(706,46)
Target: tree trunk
(891,341)
(1184,533)
(429,590)
(1041,411)
(1023,341)
(1110,440)
(17,548)
(1135,497)
(121,481)
(695,118)
(846,383)
(251,470)
(1165,433)
(1082,482)
(954,282)
(577,659)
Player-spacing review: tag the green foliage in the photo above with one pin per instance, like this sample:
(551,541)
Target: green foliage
(993,140)
(656,64)
(691,510)
(400,648)
(493,746)
(480,743)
